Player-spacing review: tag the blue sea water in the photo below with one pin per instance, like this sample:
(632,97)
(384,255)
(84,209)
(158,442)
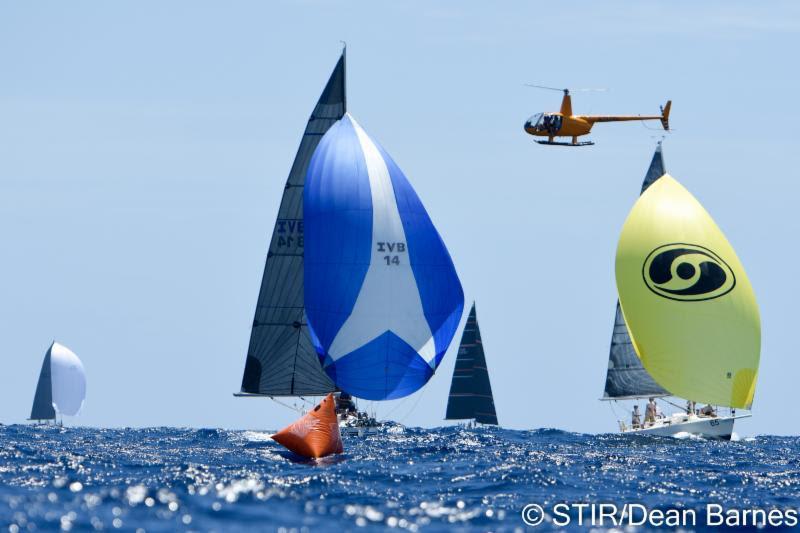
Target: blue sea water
(165,479)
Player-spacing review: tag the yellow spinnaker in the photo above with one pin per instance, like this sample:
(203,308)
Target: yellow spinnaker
(689,306)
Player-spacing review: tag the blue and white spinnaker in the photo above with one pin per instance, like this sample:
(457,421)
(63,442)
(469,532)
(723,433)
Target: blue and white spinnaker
(382,297)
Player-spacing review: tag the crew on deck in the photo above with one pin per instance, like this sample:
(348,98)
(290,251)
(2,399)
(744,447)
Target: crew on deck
(345,404)
(650,412)
(636,418)
(708,410)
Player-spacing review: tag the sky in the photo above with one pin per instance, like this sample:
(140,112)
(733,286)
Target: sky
(144,147)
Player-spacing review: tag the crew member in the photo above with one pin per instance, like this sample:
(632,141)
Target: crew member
(650,412)
(708,410)
(636,418)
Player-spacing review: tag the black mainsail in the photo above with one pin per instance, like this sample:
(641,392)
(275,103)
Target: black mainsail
(470,391)
(626,377)
(281,361)
(43,399)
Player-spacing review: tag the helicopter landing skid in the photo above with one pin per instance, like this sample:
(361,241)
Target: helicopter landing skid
(556,143)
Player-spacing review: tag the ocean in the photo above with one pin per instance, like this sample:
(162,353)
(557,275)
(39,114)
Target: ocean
(443,479)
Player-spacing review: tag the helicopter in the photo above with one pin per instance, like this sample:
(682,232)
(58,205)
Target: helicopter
(565,124)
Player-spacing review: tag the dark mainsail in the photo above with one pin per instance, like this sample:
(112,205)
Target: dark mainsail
(43,400)
(281,361)
(626,376)
(470,391)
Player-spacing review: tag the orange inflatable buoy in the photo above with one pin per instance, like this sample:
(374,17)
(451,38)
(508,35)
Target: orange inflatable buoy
(316,434)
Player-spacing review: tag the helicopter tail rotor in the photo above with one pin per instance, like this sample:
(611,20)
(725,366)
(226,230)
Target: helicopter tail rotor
(665,115)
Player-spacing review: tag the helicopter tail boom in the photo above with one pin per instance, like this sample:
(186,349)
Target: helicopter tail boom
(663,117)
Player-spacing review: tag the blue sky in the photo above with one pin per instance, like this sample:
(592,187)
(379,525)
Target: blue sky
(144,146)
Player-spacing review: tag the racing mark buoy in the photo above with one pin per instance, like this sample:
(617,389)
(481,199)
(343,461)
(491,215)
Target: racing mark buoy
(315,434)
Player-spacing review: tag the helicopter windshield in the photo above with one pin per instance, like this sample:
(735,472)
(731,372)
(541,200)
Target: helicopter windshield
(549,123)
(535,120)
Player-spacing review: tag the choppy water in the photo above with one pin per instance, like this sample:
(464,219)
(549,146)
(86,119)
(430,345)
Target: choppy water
(166,479)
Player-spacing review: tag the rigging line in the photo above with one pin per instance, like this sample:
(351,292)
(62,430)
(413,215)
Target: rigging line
(296,351)
(613,410)
(395,408)
(673,404)
(312,403)
(413,407)
(620,420)
(292,407)
(643,123)
(294,360)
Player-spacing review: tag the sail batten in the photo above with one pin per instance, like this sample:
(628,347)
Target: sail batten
(281,360)
(626,377)
(470,395)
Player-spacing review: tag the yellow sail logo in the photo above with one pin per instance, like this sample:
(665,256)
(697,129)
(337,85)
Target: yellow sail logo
(687,272)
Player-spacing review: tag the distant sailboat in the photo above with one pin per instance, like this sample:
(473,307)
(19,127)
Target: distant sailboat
(689,308)
(62,385)
(470,391)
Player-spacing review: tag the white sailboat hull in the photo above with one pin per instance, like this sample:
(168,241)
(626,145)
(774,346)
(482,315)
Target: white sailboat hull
(349,431)
(354,426)
(706,427)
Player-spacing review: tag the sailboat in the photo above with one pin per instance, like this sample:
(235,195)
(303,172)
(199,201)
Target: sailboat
(470,391)
(687,311)
(61,389)
(282,358)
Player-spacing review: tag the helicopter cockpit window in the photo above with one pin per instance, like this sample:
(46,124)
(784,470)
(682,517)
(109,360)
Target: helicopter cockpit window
(551,124)
(535,120)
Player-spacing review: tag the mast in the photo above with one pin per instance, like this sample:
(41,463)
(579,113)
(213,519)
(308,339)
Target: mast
(470,391)
(281,360)
(626,377)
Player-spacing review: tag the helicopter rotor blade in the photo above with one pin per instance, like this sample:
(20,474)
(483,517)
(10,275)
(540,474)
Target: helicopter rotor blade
(543,87)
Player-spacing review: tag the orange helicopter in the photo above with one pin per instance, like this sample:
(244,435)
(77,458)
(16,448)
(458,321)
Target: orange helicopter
(565,124)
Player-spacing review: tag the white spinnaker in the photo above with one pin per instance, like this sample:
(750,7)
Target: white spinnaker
(68,379)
